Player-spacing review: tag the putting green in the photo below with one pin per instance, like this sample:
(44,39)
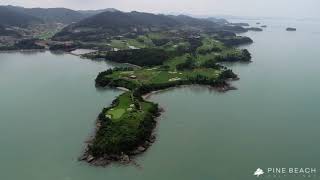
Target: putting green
(116,113)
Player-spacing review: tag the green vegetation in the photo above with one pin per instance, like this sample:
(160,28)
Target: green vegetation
(23,44)
(210,45)
(108,24)
(124,126)
(234,40)
(234,56)
(119,44)
(140,57)
(169,51)
(189,64)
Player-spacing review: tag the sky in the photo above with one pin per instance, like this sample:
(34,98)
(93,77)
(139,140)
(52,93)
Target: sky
(252,8)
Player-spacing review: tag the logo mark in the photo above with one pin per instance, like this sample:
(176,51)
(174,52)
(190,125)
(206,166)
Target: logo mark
(258,172)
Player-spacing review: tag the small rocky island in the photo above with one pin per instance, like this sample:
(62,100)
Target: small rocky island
(240,24)
(291,29)
(254,29)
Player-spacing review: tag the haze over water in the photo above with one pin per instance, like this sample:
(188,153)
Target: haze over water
(48,106)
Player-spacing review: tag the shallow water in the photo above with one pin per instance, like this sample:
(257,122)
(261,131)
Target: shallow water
(48,105)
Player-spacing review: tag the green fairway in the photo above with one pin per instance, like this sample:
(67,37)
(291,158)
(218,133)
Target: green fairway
(116,113)
(123,103)
(119,44)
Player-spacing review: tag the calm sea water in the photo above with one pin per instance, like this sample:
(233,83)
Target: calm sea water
(48,105)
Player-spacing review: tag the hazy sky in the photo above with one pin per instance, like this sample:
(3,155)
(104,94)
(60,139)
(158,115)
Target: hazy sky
(268,8)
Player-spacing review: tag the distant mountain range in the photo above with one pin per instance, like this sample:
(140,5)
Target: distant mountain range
(110,23)
(58,15)
(19,16)
(94,25)
(10,17)
(118,20)
(94,12)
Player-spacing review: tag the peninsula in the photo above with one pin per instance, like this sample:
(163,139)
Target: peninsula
(125,129)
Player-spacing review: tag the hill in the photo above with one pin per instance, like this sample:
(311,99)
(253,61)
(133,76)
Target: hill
(9,17)
(51,15)
(120,20)
(190,21)
(95,12)
(112,23)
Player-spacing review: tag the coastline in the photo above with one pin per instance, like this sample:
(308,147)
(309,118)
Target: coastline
(24,50)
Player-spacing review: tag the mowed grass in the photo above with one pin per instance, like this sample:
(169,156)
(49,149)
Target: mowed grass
(157,76)
(116,113)
(124,102)
(139,42)
(135,43)
(119,44)
(157,35)
(172,63)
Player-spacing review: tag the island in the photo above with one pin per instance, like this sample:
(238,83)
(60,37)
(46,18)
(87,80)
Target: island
(254,29)
(291,29)
(240,24)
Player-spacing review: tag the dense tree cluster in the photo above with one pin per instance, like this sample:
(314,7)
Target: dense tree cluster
(235,41)
(62,47)
(195,43)
(228,74)
(209,50)
(189,64)
(211,63)
(26,44)
(160,42)
(242,56)
(140,57)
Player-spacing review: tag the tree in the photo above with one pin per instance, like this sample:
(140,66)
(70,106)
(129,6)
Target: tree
(211,63)
(246,56)
(190,63)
